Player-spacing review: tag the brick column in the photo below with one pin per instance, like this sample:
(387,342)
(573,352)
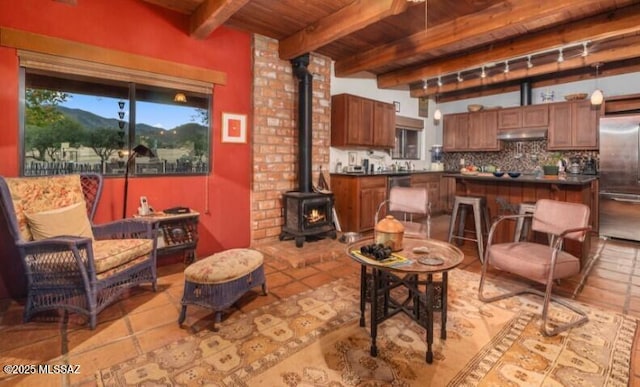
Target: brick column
(275,148)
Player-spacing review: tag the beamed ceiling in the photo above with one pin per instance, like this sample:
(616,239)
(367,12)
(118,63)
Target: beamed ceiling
(405,43)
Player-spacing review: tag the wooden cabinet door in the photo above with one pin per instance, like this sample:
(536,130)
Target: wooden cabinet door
(534,116)
(455,132)
(370,199)
(560,126)
(510,118)
(384,120)
(585,125)
(483,134)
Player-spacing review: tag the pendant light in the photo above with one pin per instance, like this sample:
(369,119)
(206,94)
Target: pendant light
(437,115)
(597,97)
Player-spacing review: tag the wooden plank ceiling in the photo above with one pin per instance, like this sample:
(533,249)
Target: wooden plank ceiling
(445,56)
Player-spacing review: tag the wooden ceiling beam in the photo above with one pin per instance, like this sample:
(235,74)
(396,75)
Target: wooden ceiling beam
(613,54)
(593,29)
(473,30)
(347,20)
(211,14)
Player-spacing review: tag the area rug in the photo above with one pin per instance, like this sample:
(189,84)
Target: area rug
(314,339)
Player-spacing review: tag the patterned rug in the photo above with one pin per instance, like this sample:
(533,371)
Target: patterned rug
(313,339)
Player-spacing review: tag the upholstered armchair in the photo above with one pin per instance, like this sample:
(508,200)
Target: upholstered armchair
(541,263)
(69,262)
(410,202)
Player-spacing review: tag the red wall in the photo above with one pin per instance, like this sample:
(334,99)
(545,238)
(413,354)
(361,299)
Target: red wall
(133,26)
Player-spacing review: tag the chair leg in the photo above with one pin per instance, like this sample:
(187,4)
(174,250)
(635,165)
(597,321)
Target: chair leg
(452,223)
(477,218)
(547,296)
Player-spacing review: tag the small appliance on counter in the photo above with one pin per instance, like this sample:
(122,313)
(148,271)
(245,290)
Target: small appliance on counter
(354,169)
(574,167)
(437,158)
(590,167)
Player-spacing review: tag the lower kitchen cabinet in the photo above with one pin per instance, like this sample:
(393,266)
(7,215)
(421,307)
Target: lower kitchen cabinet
(356,200)
(431,181)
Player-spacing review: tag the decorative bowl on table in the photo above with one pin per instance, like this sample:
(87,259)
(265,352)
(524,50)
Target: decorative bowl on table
(498,174)
(513,174)
(474,107)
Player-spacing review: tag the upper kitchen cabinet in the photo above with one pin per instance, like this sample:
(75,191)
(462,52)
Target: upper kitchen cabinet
(361,122)
(455,132)
(470,132)
(528,116)
(482,131)
(573,125)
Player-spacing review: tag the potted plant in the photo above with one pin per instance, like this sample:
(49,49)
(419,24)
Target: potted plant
(551,165)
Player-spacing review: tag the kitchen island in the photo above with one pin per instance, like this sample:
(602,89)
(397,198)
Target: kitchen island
(505,193)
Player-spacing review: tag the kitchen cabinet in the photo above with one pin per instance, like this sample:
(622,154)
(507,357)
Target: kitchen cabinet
(482,131)
(529,116)
(361,122)
(357,199)
(470,132)
(573,125)
(455,130)
(430,181)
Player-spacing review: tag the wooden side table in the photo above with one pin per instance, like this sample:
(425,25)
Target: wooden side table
(176,232)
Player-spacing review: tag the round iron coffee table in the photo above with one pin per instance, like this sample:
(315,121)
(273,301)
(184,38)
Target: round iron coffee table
(412,268)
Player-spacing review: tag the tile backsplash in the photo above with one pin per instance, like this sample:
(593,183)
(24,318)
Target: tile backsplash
(515,156)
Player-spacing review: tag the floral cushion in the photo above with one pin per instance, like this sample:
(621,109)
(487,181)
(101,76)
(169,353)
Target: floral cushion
(111,253)
(38,194)
(224,266)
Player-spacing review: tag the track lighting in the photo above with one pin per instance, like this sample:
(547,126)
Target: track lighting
(529,63)
(560,56)
(483,74)
(439,81)
(506,66)
(585,51)
(424,85)
(459,77)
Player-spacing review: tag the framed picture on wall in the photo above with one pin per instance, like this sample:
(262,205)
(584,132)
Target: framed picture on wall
(234,127)
(353,158)
(423,107)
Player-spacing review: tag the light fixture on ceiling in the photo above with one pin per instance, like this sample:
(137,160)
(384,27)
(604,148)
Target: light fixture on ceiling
(437,114)
(180,97)
(518,61)
(585,50)
(597,97)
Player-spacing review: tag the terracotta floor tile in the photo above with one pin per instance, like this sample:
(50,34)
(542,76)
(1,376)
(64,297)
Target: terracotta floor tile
(145,301)
(152,318)
(318,280)
(103,357)
(289,290)
(34,353)
(299,273)
(607,284)
(81,340)
(279,279)
(610,275)
(166,334)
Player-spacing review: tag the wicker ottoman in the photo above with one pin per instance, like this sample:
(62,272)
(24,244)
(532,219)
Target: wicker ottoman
(218,281)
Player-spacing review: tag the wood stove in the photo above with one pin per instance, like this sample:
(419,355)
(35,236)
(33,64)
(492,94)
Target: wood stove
(306,213)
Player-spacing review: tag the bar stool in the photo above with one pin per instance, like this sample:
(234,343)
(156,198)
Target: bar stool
(523,224)
(480,217)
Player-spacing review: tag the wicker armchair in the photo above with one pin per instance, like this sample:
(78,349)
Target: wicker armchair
(79,271)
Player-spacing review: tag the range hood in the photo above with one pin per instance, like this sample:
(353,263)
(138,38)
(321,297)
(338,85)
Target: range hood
(522,134)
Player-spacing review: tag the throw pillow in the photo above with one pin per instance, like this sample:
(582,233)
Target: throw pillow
(70,220)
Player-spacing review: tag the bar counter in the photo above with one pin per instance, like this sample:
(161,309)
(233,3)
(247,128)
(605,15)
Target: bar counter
(504,194)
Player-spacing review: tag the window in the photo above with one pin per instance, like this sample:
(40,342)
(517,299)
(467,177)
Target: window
(75,123)
(407,144)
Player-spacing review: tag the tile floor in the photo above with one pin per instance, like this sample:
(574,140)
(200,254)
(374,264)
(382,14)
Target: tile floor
(145,320)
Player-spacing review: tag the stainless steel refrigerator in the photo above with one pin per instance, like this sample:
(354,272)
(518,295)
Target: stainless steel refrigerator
(620,177)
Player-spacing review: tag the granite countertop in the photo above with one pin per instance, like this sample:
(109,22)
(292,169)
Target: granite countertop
(386,173)
(569,180)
